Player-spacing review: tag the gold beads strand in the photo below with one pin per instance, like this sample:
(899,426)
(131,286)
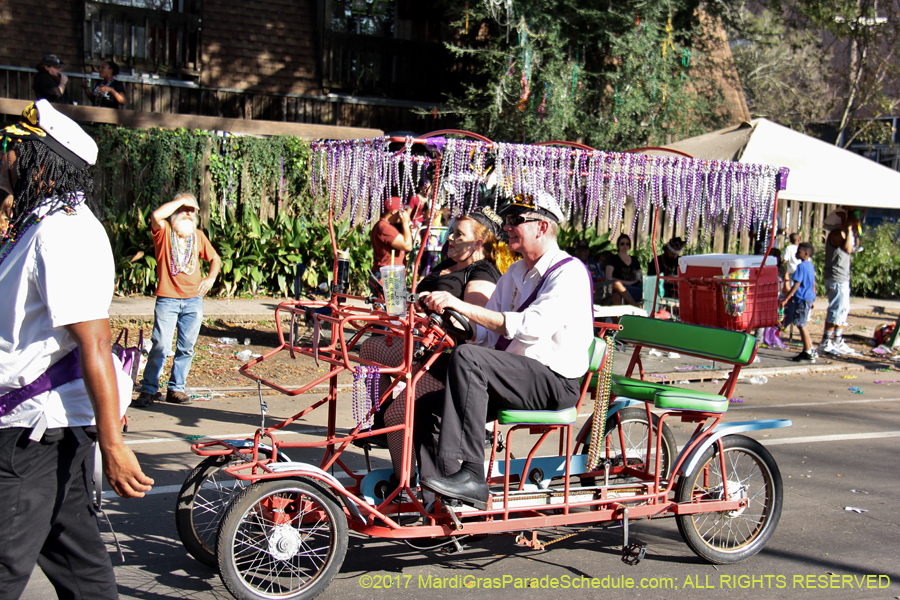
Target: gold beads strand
(601,405)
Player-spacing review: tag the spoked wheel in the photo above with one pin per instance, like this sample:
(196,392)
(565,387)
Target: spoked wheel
(626,442)
(281,539)
(205,494)
(750,473)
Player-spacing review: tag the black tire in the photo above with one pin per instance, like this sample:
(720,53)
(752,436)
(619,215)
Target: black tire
(729,537)
(632,423)
(204,496)
(296,558)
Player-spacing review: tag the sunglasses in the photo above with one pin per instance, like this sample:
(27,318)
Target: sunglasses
(625,244)
(519,219)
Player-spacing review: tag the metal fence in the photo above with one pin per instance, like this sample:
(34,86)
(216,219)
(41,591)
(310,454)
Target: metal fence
(160,95)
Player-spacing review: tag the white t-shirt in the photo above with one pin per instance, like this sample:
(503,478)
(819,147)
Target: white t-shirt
(557,328)
(60,272)
(790,259)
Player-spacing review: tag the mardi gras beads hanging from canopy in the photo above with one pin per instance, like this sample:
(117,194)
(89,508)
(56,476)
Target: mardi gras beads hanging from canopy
(359,174)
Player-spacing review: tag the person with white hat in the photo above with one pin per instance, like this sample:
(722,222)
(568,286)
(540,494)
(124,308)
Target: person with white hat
(60,386)
(531,348)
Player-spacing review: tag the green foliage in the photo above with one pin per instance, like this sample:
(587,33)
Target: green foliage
(132,244)
(139,170)
(258,257)
(597,243)
(614,75)
(150,165)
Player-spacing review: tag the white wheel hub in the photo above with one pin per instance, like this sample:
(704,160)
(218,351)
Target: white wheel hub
(284,542)
(736,491)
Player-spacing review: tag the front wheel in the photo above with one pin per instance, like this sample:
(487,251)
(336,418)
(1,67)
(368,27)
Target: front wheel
(750,473)
(281,539)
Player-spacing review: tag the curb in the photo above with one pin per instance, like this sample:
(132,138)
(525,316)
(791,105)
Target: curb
(676,376)
(768,371)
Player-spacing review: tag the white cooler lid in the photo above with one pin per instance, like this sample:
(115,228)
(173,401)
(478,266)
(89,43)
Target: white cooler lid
(726,262)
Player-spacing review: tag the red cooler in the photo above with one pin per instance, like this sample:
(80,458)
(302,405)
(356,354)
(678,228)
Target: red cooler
(730,291)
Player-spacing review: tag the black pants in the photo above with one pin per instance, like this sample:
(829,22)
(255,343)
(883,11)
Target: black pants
(46,517)
(481,381)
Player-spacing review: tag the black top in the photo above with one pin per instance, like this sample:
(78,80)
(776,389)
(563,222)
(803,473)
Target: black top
(105,99)
(45,87)
(623,271)
(455,283)
(668,265)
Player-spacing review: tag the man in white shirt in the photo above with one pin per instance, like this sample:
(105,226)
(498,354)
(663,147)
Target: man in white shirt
(531,349)
(59,385)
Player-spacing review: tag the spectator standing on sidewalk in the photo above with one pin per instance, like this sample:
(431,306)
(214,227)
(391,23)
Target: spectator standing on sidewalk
(179,247)
(839,246)
(800,299)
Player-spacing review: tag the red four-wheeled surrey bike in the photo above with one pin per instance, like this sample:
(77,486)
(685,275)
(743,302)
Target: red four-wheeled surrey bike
(276,527)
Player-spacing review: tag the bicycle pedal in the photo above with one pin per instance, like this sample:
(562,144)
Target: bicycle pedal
(634,553)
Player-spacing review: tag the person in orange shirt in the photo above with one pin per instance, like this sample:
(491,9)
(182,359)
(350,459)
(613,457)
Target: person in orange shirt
(179,247)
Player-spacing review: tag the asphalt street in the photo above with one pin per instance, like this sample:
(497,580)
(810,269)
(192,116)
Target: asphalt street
(840,453)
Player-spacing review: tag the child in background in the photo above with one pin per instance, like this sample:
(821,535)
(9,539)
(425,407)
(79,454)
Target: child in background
(771,335)
(800,299)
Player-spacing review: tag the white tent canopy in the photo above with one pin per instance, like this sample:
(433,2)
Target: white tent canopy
(820,172)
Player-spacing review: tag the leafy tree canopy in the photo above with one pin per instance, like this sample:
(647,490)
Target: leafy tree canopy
(613,75)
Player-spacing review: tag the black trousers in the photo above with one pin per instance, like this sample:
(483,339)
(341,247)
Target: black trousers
(480,381)
(47,517)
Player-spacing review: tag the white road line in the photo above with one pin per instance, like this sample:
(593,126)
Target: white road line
(790,405)
(229,436)
(838,437)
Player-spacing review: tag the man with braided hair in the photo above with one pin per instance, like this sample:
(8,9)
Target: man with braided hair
(60,386)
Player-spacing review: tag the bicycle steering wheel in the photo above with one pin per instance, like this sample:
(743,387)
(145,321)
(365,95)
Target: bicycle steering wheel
(456,325)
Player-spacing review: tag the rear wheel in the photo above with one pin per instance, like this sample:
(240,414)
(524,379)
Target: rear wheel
(750,473)
(205,494)
(281,539)
(625,442)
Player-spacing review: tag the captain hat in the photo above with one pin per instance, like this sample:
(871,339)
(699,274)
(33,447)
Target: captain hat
(541,203)
(61,134)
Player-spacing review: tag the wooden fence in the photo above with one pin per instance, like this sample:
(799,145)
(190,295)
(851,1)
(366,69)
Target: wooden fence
(804,218)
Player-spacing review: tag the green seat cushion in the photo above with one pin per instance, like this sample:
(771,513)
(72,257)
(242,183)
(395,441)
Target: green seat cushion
(679,399)
(511,416)
(708,342)
(636,389)
(595,360)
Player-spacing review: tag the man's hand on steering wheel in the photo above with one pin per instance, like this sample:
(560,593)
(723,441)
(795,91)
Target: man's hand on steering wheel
(438,301)
(449,307)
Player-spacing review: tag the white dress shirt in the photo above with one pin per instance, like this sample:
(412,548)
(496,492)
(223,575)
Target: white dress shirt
(557,328)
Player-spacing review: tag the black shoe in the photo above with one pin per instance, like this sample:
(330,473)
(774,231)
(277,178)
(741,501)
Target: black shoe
(804,357)
(461,486)
(173,397)
(144,400)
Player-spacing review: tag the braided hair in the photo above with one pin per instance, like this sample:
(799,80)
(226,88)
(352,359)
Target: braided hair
(45,179)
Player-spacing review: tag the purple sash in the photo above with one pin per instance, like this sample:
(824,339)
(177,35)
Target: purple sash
(66,369)
(503,343)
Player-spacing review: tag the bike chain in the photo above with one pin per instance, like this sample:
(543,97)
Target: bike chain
(601,405)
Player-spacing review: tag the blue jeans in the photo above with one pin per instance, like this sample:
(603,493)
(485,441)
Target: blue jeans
(187,315)
(838,302)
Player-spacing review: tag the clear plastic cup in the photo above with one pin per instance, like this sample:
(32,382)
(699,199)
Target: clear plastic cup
(393,280)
